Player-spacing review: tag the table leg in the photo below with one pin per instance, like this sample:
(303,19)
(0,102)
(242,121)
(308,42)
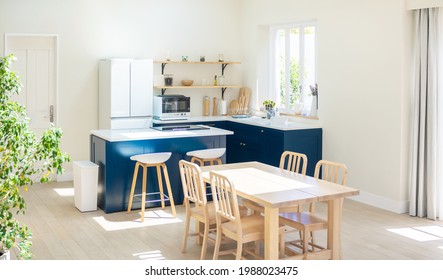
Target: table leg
(271,233)
(334,227)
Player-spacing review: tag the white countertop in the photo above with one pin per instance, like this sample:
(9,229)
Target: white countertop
(116,135)
(280,123)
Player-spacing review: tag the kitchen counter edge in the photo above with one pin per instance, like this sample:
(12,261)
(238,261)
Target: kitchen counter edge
(115,135)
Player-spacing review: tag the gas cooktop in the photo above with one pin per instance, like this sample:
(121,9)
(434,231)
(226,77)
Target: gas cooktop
(180,127)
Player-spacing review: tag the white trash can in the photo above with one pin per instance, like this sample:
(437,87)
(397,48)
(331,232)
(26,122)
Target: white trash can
(85,185)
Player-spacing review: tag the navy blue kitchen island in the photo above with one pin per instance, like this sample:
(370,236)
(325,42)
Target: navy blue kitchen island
(111,151)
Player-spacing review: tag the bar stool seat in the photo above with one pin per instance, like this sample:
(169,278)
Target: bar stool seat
(207,155)
(151,158)
(156,160)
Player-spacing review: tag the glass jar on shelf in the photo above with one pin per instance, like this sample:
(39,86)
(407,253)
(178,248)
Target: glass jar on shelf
(169,79)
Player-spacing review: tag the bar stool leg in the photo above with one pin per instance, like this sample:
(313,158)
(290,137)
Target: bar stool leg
(200,161)
(168,186)
(160,186)
(145,174)
(134,180)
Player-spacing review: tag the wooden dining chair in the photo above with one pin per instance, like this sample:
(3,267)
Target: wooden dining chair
(196,203)
(306,221)
(230,223)
(295,162)
(290,161)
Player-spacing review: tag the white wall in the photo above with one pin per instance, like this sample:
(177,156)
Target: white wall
(363,63)
(99,29)
(363,77)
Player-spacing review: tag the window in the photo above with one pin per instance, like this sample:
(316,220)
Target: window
(293,59)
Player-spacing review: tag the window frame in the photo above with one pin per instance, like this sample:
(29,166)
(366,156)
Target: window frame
(273,84)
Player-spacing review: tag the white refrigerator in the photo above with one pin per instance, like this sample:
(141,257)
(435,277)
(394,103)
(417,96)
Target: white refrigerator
(125,93)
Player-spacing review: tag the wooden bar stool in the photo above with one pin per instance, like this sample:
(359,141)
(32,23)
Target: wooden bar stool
(210,156)
(156,160)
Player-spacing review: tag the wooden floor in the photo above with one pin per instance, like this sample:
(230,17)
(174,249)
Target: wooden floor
(61,232)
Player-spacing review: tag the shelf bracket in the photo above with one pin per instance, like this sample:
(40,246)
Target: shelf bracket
(163,90)
(223,67)
(163,67)
(223,93)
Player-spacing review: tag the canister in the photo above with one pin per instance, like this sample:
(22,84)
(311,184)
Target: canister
(206,104)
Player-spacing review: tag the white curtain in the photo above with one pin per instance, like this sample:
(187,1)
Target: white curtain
(426,183)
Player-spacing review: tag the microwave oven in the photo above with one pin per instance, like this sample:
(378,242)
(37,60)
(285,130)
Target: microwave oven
(172,107)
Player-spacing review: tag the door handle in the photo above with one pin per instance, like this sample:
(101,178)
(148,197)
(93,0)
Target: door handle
(51,113)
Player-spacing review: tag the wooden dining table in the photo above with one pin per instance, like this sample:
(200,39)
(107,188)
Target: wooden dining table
(274,188)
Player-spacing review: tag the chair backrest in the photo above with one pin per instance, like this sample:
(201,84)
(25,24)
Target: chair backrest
(334,172)
(224,196)
(292,161)
(193,187)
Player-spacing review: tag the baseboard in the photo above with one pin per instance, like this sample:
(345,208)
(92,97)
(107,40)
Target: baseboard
(67,176)
(399,207)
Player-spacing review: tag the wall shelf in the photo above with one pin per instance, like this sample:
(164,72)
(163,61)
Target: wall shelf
(222,63)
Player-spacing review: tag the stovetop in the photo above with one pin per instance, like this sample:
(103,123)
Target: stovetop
(180,127)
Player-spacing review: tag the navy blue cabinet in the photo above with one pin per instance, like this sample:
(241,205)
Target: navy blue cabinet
(255,143)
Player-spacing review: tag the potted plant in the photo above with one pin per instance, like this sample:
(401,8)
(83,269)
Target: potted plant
(24,158)
(269,108)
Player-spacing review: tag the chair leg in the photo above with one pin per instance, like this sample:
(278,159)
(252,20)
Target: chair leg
(145,175)
(305,242)
(160,186)
(282,242)
(168,186)
(134,181)
(205,242)
(311,234)
(239,250)
(257,247)
(217,243)
(186,233)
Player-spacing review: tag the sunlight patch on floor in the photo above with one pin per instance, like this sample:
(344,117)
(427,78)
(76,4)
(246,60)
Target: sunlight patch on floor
(427,233)
(64,192)
(434,230)
(152,218)
(152,255)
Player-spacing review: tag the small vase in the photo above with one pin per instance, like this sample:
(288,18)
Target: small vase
(314,106)
(270,112)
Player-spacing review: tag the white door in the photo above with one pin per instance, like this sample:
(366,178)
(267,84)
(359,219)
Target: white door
(37,66)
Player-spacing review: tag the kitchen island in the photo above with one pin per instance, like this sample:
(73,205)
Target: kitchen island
(111,151)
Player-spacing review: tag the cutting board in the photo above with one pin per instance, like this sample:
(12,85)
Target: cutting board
(233,107)
(247,95)
(243,100)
